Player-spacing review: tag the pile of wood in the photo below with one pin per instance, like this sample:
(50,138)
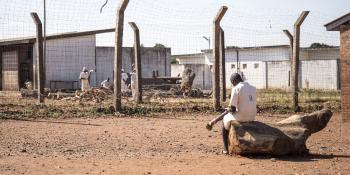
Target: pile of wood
(96,95)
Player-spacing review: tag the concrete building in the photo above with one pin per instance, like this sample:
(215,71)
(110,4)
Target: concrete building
(269,66)
(342,24)
(66,55)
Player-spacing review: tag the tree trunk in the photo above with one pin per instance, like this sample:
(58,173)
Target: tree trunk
(187,80)
(285,137)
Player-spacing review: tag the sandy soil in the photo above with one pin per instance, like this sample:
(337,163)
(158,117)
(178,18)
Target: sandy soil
(177,144)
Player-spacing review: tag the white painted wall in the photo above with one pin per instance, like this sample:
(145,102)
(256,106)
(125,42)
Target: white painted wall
(66,57)
(177,69)
(152,59)
(320,71)
(203,78)
(278,74)
(320,74)
(191,59)
(254,54)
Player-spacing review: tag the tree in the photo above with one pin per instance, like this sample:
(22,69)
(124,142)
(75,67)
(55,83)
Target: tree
(320,45)
(174,61)
(158,45)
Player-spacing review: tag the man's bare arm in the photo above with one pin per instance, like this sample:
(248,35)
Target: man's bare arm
(217,119)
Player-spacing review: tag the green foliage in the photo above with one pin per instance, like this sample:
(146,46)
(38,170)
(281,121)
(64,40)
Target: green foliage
(320,45)
(158,45)
(174,61)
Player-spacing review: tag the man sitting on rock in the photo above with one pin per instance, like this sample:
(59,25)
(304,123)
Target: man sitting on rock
(242,107)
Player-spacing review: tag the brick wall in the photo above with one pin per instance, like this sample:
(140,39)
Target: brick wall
(345,72)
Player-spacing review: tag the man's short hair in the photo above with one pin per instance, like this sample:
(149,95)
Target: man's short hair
(236,77)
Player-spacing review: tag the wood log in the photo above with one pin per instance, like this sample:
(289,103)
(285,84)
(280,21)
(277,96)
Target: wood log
(285,137)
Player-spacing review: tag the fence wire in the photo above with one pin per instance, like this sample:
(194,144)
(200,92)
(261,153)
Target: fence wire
(78,37)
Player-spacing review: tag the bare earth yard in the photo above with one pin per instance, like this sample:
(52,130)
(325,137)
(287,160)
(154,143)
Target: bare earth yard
(175,143)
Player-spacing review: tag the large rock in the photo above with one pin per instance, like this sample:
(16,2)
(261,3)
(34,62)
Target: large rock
(285,137)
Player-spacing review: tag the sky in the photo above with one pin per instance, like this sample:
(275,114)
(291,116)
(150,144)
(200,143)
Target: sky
(179,24)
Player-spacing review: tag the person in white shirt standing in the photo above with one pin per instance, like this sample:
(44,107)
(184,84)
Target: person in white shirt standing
(242,107)
(85,79)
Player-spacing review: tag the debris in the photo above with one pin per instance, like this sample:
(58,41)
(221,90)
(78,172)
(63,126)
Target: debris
(28,93)
(96,95)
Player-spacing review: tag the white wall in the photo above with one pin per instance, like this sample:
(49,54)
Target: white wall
(177,69)
(66,57)
(191,59)
(278,74)
(253,54)
(318,66)
(203,78)
(152,59)
(320,74)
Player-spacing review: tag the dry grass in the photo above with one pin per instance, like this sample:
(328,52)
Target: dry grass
(269,101)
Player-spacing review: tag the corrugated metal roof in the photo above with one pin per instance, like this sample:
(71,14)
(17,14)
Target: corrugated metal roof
(337,23)
(31,39)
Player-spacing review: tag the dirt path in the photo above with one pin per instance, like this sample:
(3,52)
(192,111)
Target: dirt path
(179,145)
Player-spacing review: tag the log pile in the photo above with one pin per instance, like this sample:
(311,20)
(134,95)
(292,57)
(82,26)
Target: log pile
(285,137)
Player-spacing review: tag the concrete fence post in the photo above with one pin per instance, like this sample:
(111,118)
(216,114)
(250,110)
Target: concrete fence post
(39,57)
(216,55)
(295,60)
(290,37)
(222,65)
(117,96)
(137,63)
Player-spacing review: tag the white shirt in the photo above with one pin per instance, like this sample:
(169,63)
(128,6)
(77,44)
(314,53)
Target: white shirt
(84,75)
(243,96)
(124,76)
(106,84)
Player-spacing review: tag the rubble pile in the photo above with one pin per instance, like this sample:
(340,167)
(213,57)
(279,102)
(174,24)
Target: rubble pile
(96,95)
(28,93)
(194,92)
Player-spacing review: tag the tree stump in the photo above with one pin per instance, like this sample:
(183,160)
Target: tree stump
(187,80)
(285,137)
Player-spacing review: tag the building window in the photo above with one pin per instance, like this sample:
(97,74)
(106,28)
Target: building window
(256,65)
(233,66)
(244,66)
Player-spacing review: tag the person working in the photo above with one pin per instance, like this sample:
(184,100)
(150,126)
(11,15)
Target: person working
(85,79)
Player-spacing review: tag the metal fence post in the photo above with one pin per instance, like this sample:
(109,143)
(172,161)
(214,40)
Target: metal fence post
(222,65)
(39,57)
(117,96)
(137,53)
(216,55)
(295,60)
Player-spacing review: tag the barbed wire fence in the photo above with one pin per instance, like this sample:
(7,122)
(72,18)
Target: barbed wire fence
(79,34)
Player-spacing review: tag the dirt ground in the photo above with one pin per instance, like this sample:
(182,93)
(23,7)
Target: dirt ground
(176,143)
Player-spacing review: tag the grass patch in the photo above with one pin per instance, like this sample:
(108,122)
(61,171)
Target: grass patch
(269,101)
